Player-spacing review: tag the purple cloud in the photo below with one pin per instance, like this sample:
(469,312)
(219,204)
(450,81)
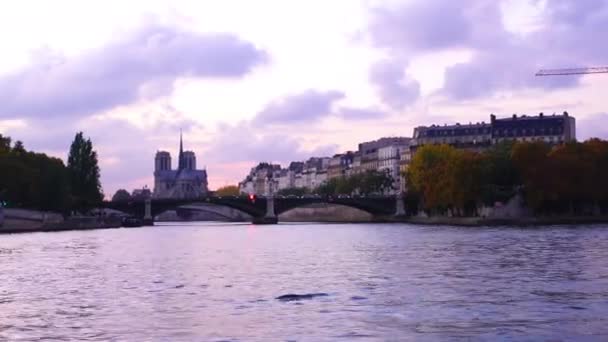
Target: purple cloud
(395,88)
(352,113)
(431,25)
(489,72)
(502,60)
(592,126)
(303,107)
(242,143)
(144,64)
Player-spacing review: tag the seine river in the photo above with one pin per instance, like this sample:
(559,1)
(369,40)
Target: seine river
(219,282)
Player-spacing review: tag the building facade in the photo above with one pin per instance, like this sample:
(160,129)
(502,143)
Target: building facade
(369,151)
(476,136)
(181,183)
(553,129)
(340,165)
(389,160)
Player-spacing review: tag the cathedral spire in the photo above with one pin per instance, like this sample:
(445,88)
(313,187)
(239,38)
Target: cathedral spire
(181,161)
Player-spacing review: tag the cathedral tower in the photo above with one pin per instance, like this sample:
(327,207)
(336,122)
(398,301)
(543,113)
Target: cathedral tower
(162,161)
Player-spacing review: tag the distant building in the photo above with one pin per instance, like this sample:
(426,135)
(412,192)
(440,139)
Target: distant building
(552,129)
(476,136)
(479,136)
(405,159)
(184,182)
(370,159)
(389,159)
(340,164)
(141,194)
(262,180)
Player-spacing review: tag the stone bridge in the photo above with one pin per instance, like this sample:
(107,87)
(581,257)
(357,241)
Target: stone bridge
(261,209)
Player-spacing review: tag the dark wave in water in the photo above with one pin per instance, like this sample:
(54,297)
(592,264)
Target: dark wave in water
(305,282)
(294,297)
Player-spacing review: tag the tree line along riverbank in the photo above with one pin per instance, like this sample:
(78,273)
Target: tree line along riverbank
(36,181)
(567,180)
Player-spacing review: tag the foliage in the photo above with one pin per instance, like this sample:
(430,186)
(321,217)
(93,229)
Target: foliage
(121,195)
(32,180)
(83,171)
(500,177)
(292,192)
(567,178)
(366,183)
(446,178)
(228,190)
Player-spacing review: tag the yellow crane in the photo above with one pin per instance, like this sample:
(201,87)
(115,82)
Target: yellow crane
(572,71)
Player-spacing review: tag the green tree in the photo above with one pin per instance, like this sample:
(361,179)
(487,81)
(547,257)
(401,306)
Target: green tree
(464,181)
(228,190)
(596,186)
(500,177)
(428,175)
(32,180)
(292,192)
(121,195)
(531,161)
(19,148)
(83,171)
(5,144)
(328,187)
(375,182)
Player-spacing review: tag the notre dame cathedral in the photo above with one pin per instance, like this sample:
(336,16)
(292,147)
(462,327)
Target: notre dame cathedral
(185,182)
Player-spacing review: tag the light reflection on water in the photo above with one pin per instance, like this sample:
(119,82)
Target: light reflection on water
(218,282)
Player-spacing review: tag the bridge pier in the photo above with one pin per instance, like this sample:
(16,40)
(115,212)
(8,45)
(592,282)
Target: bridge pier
(399,205)
(148,219)
(270,217)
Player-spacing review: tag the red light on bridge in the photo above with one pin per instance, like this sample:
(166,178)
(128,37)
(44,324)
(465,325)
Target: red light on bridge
(252,198)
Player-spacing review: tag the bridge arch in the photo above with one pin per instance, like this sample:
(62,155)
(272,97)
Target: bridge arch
(260,208)
(372,205)
(224,212)
(325,212)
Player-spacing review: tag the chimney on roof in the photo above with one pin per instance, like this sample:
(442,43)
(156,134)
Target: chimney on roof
(565,113)
(541,115)
(514,116)
(492,118)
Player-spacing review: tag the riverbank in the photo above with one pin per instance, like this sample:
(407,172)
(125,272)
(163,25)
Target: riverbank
(29,221)
(485,222)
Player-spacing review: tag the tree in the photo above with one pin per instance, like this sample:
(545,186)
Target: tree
(500,177)
(464,181)
(292,192)
(5,144)
(428,173)
(121,195)
(19,148)
(32,180)
(83,171)
(375,182)
(228,190)
(597,184)
(530,159)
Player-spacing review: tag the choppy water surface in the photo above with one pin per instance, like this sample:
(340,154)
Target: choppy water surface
(215,282)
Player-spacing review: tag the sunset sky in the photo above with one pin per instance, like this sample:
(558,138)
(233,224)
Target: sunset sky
(282,80)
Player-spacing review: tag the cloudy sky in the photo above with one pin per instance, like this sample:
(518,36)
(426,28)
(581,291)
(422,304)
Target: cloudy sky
(281,80)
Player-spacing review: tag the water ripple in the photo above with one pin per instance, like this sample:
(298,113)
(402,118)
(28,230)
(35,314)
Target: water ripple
(305,282)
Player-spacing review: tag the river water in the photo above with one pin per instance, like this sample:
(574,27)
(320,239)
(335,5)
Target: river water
(218,282)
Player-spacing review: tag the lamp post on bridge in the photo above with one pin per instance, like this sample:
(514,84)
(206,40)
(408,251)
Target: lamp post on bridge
(399,205)
(1,214)
(148,219)
(270,217)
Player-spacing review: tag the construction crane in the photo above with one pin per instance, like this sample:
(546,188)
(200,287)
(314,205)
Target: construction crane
(572,71)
